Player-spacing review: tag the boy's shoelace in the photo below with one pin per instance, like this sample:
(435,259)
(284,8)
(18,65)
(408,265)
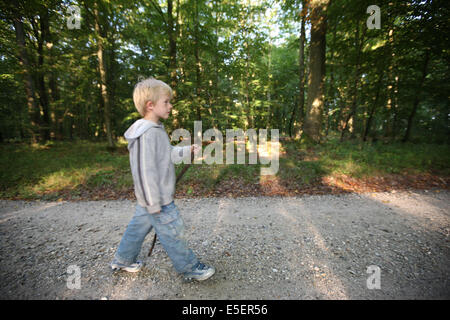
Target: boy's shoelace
(201,266)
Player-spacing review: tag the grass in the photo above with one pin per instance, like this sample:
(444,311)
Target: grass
(396,158)
(33,171)
(45,171)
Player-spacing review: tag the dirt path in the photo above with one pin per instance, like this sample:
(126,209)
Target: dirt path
(308,247)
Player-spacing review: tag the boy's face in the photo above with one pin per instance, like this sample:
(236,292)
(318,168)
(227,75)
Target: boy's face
(162,107)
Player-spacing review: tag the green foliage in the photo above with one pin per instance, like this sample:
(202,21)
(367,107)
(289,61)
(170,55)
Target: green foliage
(231,71)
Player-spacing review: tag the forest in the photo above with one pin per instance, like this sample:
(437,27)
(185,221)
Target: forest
(358,91)
(310,68)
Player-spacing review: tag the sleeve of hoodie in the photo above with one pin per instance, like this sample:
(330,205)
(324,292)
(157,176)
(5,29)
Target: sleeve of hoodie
(150,170)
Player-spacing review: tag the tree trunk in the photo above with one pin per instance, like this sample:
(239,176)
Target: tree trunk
(53,85)
(103,77)
(301,63)
(313,119)
(331,89)
(43,96)
(417,96)
(197,62)
(33,108)
(390,106)
(395,108)
(359,43)
(171,31)
(247,70)
(217,63)
(111,81)
(269,86)
(374,106)
(291,120)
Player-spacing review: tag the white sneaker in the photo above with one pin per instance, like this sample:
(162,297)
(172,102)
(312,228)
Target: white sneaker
(201,272)
(135,267)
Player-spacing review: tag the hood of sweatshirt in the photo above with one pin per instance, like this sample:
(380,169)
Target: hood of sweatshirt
(138,128)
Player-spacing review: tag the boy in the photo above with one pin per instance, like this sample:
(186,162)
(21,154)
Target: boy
(154,185)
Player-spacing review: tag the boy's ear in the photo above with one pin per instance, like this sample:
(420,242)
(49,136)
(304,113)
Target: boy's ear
(148,106)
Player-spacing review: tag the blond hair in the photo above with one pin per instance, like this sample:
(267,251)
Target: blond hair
(149,89)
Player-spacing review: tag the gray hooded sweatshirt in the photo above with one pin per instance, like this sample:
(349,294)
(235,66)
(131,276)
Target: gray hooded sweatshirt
(151,163)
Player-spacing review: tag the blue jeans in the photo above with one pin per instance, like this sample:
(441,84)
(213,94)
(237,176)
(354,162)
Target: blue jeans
(169,227)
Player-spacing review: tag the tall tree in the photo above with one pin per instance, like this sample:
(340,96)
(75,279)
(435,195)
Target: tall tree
(373,107)
(417,96)
(40,33)
(100,33)
(313,119)
(33,107)
(51,42)
(301,64)
(359,41)
(172,32)
(330,97)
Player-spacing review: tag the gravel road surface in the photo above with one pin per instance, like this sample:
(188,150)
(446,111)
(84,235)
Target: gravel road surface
(308,247)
